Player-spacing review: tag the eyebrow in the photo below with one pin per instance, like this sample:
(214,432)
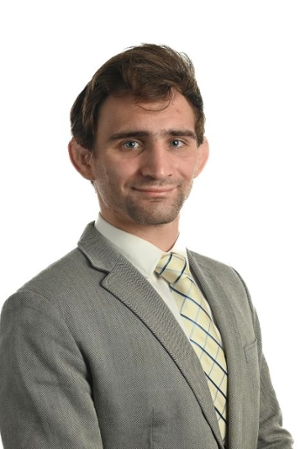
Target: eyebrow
(168,132)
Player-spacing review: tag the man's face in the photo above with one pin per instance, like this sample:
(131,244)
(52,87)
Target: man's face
(145,159)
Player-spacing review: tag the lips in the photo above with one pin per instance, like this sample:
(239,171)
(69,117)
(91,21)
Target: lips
(154,191)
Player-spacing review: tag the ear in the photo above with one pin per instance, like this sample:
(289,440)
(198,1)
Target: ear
(203,153)
(82,159)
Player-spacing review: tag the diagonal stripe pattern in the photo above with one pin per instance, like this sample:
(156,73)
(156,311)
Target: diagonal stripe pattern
(203,334)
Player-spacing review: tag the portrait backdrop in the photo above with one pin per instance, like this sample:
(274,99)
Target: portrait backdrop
(244,209)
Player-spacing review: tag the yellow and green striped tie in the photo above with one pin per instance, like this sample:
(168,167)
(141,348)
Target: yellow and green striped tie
(203,334)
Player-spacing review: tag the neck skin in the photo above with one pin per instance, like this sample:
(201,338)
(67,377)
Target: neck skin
(162,236)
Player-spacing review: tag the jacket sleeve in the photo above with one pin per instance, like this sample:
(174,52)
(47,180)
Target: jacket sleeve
(45,391)
(271,434)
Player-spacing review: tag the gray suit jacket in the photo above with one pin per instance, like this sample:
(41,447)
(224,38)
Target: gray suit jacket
(91,358)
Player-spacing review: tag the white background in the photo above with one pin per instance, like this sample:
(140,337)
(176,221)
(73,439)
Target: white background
(244,209)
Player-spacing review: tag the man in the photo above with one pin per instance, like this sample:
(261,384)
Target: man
(113,346)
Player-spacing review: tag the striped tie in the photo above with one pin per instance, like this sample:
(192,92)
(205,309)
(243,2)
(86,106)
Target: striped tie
(203,334)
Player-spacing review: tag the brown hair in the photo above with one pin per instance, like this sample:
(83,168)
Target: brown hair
(149,72)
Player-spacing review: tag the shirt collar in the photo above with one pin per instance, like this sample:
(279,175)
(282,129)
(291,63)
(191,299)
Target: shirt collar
(141,253)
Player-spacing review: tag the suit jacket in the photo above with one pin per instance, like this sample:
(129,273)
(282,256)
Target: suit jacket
(91,358)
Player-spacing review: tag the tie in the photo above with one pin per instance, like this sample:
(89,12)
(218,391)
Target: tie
(203,334)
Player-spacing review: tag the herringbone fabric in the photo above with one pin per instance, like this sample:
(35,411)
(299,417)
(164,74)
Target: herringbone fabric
(202,331)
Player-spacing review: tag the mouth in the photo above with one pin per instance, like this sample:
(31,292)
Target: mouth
(154,191)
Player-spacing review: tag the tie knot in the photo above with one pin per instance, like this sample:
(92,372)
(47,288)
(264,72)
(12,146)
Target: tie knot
(171,267)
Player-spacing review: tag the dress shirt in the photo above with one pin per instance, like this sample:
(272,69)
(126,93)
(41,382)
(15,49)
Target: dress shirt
(144,256)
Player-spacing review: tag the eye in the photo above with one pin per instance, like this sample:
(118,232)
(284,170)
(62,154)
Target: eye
(130,145)
(176,143)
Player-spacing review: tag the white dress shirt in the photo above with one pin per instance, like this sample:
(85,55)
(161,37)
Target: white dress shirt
(144,256)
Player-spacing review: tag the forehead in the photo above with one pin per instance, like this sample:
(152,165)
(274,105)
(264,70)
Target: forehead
(128,112)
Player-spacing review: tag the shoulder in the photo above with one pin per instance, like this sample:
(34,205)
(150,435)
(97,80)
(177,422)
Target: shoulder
(222,276)
(211,265)
(52,283)
(71,282)
(72,272)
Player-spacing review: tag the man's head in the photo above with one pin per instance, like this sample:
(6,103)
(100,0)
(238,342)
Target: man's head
(149,73)
(138,136)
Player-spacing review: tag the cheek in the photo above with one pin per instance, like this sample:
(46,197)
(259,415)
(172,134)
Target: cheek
(121,172)
(102,177)
(110,178)
(189,169)
(196,168)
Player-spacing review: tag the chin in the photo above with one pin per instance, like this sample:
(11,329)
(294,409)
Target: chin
(154,219)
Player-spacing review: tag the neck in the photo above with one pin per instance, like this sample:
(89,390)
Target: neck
(162,236)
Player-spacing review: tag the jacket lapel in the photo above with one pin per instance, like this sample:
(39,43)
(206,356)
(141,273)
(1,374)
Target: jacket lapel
(220,301)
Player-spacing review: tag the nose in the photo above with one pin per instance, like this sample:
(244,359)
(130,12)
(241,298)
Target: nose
(156,162)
